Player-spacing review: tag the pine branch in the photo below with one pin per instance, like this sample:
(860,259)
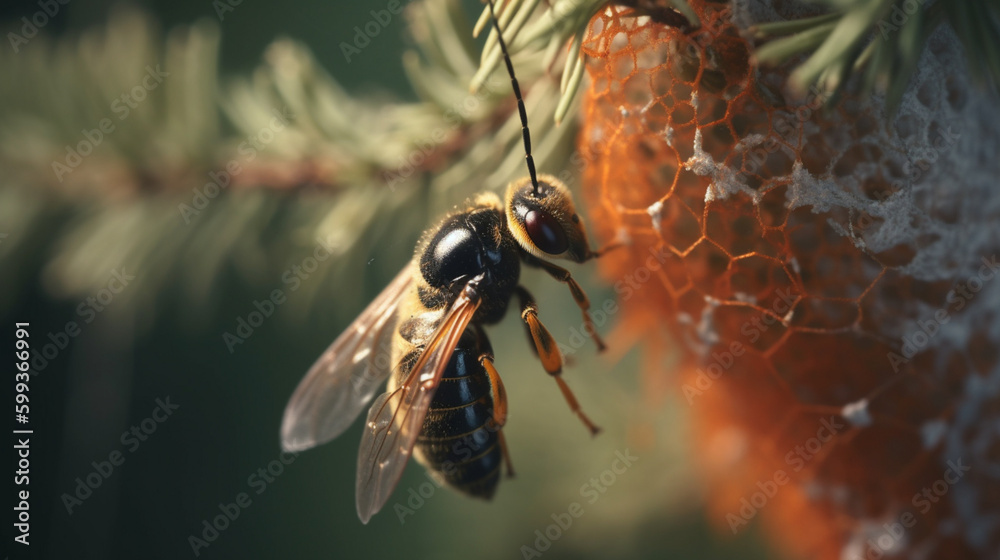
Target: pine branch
(159,196)
(562,23)
(879,42)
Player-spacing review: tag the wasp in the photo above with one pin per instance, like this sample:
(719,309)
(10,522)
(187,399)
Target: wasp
(445,402)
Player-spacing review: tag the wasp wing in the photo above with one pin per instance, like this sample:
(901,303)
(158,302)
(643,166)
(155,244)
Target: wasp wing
(396,417)
(346,376)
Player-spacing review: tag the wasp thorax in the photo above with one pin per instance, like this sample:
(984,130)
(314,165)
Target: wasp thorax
(545,223)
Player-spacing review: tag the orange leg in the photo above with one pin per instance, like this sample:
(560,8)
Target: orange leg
(499,397)
(563,275)
(575,406)
(604,250)
(506,454)
(548,352)
(499,393)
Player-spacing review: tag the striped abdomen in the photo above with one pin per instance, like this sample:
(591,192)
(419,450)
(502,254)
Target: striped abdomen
(457,441)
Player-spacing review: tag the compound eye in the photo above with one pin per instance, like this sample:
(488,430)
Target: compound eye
(545,232)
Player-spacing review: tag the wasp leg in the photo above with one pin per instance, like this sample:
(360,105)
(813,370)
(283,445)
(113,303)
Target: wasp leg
(563,275)
(543,343)
(499,396)
(499,408)
(605,250)
(548,351)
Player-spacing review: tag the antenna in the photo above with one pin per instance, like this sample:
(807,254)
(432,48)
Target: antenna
(520,102)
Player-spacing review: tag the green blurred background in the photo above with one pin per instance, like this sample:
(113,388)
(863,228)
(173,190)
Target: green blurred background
(162,337)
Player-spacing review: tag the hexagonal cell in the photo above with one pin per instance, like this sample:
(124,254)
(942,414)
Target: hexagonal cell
(734,50)
(807,437)
(748,117)
(707,265)
(897,256)
(773,206)
(831,266)
(651,55)
(664,175)
(680,90)
(940,207)
(733,223)
(753,327)
(755,397)
(682,113)
(914,400)
(853,157)
(685,58)
(636,90)
(712,81)
(885,309)
(717,141)
(660,83)
(674,271)
(804,359)
(822,313)
(711,109)
(816,156)
(778,163)
(636,197)
(865,224)
(692,303)
(622,66)
(682,138)
(871,466)
(657,117)
(679,225)
(958,96)
(690,189)
(765,282)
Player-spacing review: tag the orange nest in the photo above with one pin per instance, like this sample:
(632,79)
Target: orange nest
(819,407)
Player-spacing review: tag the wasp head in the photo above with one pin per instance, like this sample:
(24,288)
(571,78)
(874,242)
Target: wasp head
(545,222)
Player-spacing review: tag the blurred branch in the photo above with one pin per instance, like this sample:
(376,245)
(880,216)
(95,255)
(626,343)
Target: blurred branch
(879,42)
(561,23)
(194,186)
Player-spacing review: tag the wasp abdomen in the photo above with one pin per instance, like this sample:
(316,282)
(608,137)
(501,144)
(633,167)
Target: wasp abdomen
(457,441)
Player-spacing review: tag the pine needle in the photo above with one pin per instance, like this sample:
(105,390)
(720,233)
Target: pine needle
(878,43)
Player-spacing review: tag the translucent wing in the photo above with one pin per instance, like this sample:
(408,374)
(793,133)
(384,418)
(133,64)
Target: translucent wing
(346,376)
(396,417)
